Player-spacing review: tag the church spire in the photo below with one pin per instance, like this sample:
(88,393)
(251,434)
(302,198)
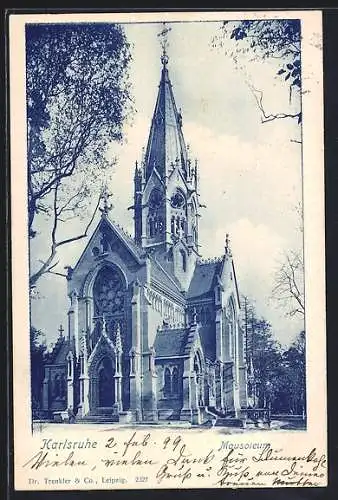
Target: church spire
(166,143)
(166,204)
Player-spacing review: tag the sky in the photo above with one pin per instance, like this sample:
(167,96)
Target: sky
(250,172)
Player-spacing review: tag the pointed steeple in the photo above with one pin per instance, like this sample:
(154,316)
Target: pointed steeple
(166,145)
(166,203)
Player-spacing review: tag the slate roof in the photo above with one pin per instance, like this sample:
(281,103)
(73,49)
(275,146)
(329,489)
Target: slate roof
(166,141)
(171,342)
(59,352)
(204,278)
(164,276)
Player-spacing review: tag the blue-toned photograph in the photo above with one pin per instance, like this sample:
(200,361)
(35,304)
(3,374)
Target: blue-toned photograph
(165,224)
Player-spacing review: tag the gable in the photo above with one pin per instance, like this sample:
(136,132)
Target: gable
(153,182)
(109,237)
(103,346)
(176,180)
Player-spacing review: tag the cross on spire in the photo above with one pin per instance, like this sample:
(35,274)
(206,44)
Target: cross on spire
(227,244)
(61,330)
(105,195)
(163,36)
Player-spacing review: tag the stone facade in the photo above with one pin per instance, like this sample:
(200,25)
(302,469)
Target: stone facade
(153,330)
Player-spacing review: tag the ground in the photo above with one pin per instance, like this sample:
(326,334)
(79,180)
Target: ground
(59,428)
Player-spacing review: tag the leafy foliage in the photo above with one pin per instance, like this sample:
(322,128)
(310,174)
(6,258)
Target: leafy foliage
(78,98)
(291,390)
(268,39)
(276,376)
(37,353)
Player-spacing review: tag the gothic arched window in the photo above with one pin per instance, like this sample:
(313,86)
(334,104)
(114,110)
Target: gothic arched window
(174,382)
(194,234)
(183,225)
(177,229)
(106,382)
(184,260)
(197,363)
(151,228)
(63,386)
(231,320)
(69,367)
(56,386)
(167,383)
(172,227)
(108,292)
(160,224)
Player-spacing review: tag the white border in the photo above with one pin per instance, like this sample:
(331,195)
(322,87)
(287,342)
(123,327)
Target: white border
(313,185)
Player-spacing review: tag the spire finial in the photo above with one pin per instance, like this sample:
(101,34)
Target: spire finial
(194,316)
(61,330)
(163,35)
(227,244)
(105,195)
(118,340)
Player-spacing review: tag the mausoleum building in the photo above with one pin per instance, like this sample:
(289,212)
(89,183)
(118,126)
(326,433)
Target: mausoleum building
(153,329)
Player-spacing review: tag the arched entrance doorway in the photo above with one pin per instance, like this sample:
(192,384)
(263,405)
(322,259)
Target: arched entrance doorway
(106,385)
(110,380)
(102,383)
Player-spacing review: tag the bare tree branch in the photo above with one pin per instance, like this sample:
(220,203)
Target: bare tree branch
(288,289)
(49,263)
(258,95)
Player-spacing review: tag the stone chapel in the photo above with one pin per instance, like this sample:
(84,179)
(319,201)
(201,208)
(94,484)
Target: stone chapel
(153,329)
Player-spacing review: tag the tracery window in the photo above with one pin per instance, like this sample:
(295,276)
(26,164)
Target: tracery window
(69,367)
(63,387)
(167,383)
(231,329)
(108,292)
(151,227)
(174,382)
(56,386)
(172,225)
(171,382)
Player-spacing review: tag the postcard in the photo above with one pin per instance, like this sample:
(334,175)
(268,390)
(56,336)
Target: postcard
(167,204)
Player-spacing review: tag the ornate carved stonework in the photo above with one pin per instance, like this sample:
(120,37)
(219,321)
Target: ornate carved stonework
(108,293)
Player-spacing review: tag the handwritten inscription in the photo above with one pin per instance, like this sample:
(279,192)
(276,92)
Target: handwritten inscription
(169,462)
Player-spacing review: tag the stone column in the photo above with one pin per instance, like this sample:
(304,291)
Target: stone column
(237,403)
(46,389)
(89,316)
(186,409)
(190,402)
(220,389)
(73,322)
(219,335)
(149,386)
(195,411)
(229,389)
(70,380)
(118,373)
(84,379)
(135,353)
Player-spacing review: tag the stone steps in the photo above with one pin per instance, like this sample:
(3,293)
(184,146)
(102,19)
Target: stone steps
(229,422)
(98,419)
